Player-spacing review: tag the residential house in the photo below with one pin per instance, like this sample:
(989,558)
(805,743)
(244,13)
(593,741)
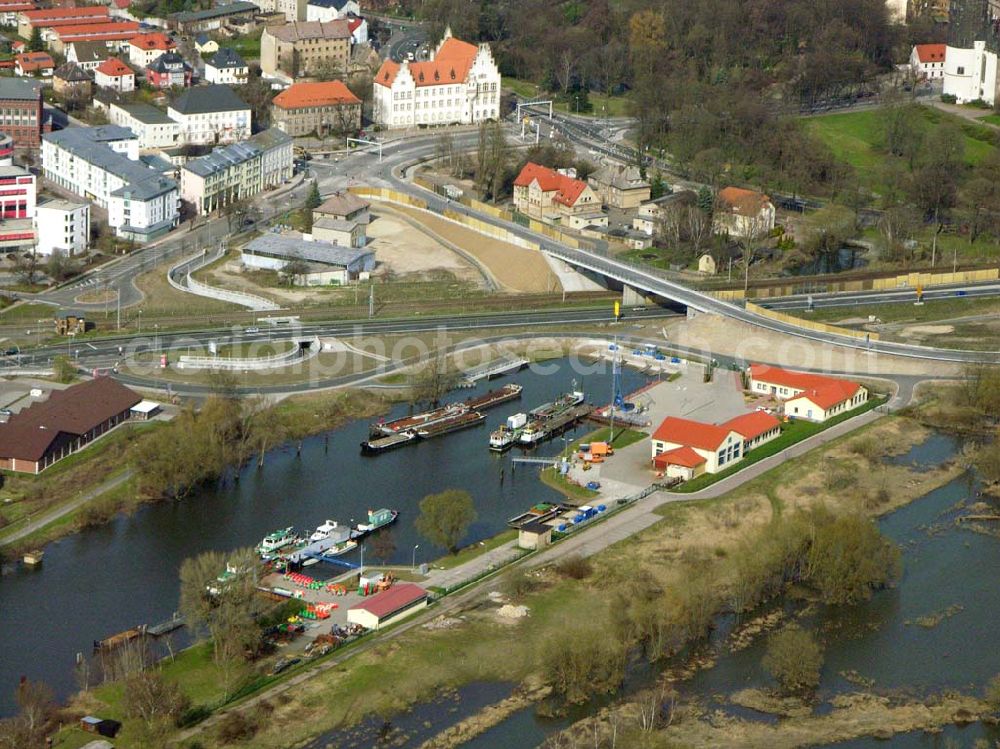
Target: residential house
(741,212)
(652,215)
(620,186)
(115,75)
(297,49)
(154,129)
(144,49)
(88,55)
(321,108)
(226,67)
(102,165)
(238,171)
(342,233)
(205,44)
(344,206)
(11,9)
(210,114)
(195,21)
(49,430)
(683,448)
(323,263)
(331,10)
(72,82)
(36,64)
(459,84)
(927,61)
(169,70)
(21,115)
(62,225)
(550,195)
(806,395)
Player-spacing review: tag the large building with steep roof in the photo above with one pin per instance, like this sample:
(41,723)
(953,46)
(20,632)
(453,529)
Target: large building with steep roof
(316,107)
(460,84)
(550,195)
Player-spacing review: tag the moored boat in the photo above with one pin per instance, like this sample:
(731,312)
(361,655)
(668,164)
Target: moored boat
(376,519)
(462,421)
(324,531)
(276,541)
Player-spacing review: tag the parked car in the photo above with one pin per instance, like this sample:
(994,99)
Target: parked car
(283,664)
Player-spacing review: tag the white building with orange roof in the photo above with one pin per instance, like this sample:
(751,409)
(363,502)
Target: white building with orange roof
(927,60)
(460,84)
(741,212)
(806,395)
(144,49)
(683,448)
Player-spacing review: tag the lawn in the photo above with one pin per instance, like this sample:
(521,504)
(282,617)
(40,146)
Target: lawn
(791,433)
(451,561)
(855,137)
(603,105)
(932,310)
(248,47)
(992,119)
(557,481)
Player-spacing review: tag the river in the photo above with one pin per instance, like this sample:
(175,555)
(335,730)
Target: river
(943,566)
(107,579)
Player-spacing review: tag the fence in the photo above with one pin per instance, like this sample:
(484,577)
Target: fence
(937,279)
(198,288)
(809,324)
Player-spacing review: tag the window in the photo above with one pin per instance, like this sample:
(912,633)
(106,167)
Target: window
(960,70)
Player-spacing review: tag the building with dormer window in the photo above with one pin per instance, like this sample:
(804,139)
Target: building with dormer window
(460,84)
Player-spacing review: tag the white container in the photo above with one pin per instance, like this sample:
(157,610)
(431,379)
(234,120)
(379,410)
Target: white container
(517,421)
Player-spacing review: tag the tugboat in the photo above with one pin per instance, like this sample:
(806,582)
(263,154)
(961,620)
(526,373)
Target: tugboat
(274,542)
(504,436)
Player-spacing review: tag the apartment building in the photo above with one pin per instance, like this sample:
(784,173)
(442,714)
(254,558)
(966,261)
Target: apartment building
(210,114)
(21,114)
(320,108)
(151,125)
(296,49)
(227,68)
(145,48)
(101,164)
(62,225)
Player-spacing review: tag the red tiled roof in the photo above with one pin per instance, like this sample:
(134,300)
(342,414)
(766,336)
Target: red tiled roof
(930,52)
(821,390)
(98,31)
(31,61)
(691,433)
(680,456)
(450,65)
(567,189)
(390,601)
(315,95)
(74,411)
(154,40)
(114,67)
(752,425)
(743,202)
(51,14)
(353,22)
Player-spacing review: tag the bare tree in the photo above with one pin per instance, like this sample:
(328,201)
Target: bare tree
(26,267)
(699,227)
(293,270)
(754,231)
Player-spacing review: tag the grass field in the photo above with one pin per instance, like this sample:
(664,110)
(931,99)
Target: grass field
(856,138)
(604,106)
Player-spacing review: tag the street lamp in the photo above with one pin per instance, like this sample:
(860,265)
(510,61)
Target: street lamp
(413,561)
(156,337)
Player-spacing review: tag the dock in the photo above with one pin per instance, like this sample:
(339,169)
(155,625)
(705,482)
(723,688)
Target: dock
(493,369)
(116,641)
(537,461)
(316,550)
(558,424)
(174,622)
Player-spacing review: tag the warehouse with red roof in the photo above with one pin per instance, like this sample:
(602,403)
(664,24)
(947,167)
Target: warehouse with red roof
(382,609)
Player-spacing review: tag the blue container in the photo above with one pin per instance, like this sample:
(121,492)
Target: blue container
(601,508)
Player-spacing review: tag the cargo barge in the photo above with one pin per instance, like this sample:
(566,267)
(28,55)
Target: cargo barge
(389,435)
(463,421)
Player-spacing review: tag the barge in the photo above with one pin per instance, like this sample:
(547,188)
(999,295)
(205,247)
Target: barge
(390,442)
(462,421)
(539,429)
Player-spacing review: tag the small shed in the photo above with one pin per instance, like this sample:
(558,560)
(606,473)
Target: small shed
(145,410)
(102,726)
(70,323)
(534,534)
(381,609)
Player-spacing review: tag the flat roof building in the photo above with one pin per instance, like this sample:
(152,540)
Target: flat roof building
(322,262)
(382,609)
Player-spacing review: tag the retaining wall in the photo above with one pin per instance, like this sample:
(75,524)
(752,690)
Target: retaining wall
(809,324)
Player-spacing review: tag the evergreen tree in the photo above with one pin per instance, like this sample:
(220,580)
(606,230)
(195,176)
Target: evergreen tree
(315,199)
(35,43)
(705,199)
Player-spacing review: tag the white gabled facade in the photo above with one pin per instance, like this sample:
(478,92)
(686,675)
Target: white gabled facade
(970,74)
(460,84)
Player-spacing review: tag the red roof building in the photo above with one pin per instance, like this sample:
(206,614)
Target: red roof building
(541,192)
(683,448)
(381,609)
(118,31)
(145,48)
(305,108)
(930,52)
(115,75)
(34,63)
(927,60)
(811,396)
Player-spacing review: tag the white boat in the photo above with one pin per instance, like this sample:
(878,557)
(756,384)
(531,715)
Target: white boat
(502,438)
(274,542)
(324,531)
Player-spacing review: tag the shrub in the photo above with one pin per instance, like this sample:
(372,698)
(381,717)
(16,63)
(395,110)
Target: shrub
(993,693)
(575,567)
(516,583)
(949,98)
(235,727)
(794,658)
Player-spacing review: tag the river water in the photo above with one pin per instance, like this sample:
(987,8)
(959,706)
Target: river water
(943,566)
(108,579)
